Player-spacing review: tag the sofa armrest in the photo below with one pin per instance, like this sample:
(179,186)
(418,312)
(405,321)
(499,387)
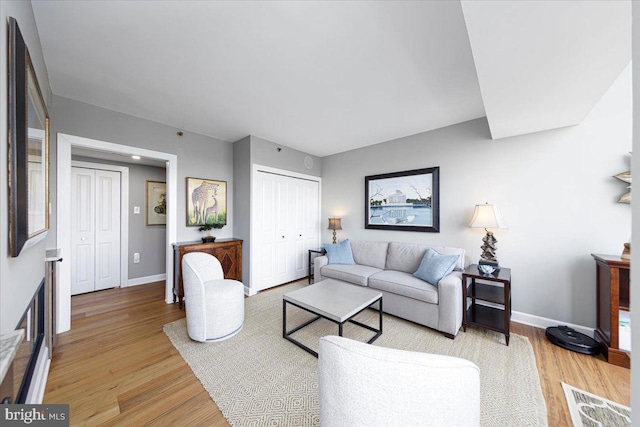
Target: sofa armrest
(450,303)
(318,263)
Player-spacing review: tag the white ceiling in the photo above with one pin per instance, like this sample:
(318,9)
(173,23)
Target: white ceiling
(326,77)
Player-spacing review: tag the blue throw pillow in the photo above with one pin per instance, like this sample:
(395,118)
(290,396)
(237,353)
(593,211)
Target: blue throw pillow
(340,253)
(435,266)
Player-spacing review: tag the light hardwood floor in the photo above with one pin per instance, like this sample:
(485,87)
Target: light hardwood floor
(117,367)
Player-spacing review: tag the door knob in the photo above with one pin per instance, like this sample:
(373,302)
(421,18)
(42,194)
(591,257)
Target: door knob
(83,238)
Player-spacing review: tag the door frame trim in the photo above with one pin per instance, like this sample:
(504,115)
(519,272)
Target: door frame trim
(124,212)
(63,206)
(251,289)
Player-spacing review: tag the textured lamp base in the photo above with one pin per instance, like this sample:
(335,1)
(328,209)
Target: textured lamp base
(489,247)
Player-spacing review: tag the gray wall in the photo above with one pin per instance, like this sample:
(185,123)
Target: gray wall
(148,240)
(555,190)
(19,277)
(265,153)
(199,156)
(242,201)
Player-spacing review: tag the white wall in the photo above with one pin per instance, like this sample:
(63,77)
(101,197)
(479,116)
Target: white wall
(555,190)
(19,277)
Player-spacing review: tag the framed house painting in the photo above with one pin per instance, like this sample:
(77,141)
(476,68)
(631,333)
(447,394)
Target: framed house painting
(206,202)
(28,136)
(404,201)
(156,203)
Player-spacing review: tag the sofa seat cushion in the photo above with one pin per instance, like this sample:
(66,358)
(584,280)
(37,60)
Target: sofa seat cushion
(356,274)
(405,284)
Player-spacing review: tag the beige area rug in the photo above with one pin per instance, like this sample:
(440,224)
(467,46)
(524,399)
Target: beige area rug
(258,378)
(590,410)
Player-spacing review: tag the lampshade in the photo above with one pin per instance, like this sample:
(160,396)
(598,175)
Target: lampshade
(334,224)
(487,216)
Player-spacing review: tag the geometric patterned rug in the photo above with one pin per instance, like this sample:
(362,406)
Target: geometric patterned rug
(589,410)
(257,378)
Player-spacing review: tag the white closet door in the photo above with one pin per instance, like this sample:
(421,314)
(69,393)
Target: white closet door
(311,220)
(298,214)
(264,253)
(107,255)
(83,230)
(284,249)
(95,235)
(286,224)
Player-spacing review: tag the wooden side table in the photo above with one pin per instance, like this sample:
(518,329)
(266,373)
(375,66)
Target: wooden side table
(228,252)
(612,296)
(492,288)
(318,252)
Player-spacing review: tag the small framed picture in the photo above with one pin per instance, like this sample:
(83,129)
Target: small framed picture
(156,203)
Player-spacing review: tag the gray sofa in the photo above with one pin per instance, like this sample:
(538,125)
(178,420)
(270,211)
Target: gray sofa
(388,267)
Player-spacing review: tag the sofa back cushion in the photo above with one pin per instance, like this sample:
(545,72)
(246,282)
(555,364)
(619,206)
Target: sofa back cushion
(408,256)
(373,254)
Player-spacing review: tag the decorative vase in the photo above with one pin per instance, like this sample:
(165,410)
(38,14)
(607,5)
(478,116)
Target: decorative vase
(208,239)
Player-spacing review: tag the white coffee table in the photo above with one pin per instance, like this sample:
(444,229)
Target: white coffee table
(333,300)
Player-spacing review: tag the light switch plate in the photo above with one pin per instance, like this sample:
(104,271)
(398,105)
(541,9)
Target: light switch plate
(136,209)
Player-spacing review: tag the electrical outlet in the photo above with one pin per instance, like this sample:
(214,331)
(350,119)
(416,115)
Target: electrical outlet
(136,258)
(136,210)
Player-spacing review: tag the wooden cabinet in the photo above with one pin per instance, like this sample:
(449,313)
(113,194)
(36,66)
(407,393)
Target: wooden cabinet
(228,252)
(612,296)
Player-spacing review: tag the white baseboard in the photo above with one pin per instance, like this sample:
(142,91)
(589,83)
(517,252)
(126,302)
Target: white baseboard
(146,279)
(249,291)
(544,322)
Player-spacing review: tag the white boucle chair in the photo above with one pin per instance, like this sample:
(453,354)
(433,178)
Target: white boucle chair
(214,305)
(365,385)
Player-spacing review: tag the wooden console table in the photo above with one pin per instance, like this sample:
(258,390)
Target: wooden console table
(228,252)
(612,295)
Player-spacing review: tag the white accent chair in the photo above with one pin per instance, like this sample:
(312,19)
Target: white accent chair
(214,305)
(365,385)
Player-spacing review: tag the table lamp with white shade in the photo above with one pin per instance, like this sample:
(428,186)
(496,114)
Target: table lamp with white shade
(488,216)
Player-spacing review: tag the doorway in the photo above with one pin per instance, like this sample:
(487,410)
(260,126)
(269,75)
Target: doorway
(63,231)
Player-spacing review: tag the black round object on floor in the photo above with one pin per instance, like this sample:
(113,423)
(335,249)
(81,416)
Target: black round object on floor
(570,339)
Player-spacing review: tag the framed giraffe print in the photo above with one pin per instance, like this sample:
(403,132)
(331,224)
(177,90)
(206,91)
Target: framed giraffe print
(206,202)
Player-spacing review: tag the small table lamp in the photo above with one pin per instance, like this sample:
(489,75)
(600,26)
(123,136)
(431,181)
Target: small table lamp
(334,224)
(488,216)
